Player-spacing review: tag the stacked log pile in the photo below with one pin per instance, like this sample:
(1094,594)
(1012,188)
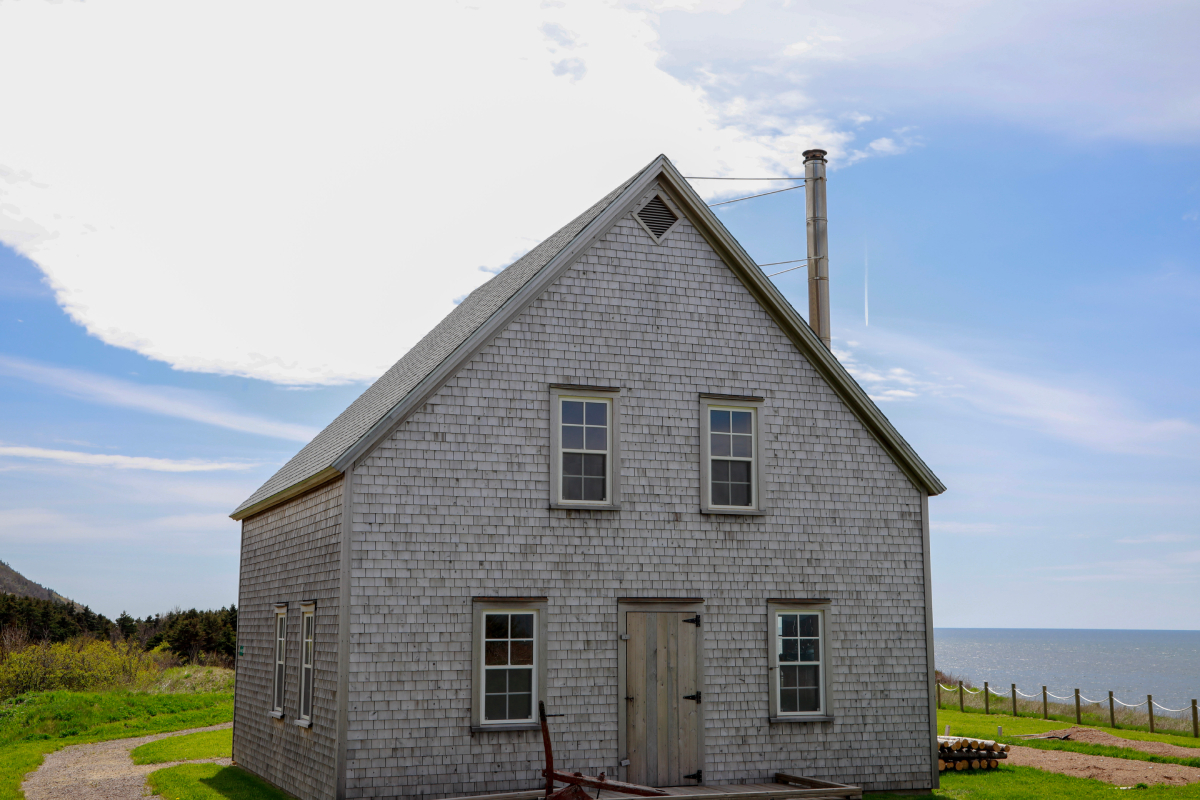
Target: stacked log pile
(959,753)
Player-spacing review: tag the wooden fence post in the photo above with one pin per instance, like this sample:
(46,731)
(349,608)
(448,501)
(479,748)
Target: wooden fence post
(1195,720)
(1112,711)
(1150,708)
(960,696)
(939,691)
(987,701)
(1045,705)
(1078,721)
(1014,693)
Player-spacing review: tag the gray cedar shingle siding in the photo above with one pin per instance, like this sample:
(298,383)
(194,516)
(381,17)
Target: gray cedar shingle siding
(454,504)
(290,554)
(435,347)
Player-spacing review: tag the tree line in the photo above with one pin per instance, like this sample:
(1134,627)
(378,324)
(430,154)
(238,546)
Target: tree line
(193,636)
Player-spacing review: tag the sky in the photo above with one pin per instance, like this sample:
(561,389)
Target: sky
(220,221)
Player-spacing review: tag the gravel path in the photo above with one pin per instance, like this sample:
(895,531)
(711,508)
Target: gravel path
(1117,771)
(101,771)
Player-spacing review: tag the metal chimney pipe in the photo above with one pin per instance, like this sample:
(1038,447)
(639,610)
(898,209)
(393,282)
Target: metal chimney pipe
(818,243)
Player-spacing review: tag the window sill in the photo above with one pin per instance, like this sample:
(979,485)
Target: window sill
(586,507)
(738,512)
(275,714)
(516,726)
(304,723)
(814,718)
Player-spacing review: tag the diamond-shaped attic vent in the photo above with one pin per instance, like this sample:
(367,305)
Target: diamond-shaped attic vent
(657,217)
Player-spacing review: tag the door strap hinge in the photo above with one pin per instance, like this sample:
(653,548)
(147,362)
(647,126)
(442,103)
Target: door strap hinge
(698,775)
(695,696)
(694,620)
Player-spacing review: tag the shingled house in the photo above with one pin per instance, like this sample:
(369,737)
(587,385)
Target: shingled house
(625,478)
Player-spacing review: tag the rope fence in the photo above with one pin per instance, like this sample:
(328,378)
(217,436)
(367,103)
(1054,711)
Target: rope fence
(1128,715)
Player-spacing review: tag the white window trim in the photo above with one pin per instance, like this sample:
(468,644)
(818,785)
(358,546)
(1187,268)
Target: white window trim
(822,608)
(278,692)
(560,392)
(307,611)
(708,402)
(510,605)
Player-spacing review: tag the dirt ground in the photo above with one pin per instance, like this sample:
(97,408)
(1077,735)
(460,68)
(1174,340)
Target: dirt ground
(102,771)
(1117,771)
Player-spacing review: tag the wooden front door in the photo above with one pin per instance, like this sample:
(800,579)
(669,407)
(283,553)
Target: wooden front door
(663,704)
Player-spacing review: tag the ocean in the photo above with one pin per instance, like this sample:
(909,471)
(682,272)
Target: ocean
(1132,664)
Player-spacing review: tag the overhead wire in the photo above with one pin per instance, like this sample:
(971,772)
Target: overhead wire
(752,196)
(702,178)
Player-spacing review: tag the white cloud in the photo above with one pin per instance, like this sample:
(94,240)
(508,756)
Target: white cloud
(192,532)
(278,191)
(1096,417)
(76,458)
(165,400)
(1158,538)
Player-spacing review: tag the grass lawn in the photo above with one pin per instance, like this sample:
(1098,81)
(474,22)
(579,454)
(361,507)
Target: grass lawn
(193,746)
(212,782)
(983,726)
(35,724)
(1027,783)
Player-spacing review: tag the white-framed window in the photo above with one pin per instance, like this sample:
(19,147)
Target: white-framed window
(280,660)
(798,661)
(510,662)
(585,452)
(731,454)
(308,625)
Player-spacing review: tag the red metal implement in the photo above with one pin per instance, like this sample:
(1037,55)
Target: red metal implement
(575,781)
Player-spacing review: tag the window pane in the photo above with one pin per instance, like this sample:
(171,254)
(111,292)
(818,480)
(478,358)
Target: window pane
(522,626)
(593,489)
(718,421)
(279,685)
(810,625)
(495,653)
(720,444)
(739,471)
(306,695)
(788,677)
(572,437)
(739,494)
(789,700)
(597,439)
(743,446)
(520,706)
(520,680)
(808,700)
(572,463)
(720,471)
(597,413)
(572,412)
(495,681)
(522,652)
(593,466)
(572,488)
(720,494)
(788,650)
(807,676)
(496,626)
(809,650)
(495,706)
(741,421)
(308,626)
(787,625)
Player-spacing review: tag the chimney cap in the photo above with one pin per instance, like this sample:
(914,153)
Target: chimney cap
(814,155)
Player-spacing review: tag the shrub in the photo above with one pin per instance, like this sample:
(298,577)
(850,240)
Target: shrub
(79,665)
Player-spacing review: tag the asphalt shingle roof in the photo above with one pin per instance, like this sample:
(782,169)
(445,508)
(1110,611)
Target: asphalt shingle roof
(395,384)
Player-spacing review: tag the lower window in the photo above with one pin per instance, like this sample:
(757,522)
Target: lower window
(798,659)
(509,656)
(307,653)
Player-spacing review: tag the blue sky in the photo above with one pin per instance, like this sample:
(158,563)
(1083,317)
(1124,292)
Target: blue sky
(189,289)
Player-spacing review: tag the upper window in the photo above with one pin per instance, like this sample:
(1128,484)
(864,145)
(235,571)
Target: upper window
(584,456)
(508,666)
(307,653)
(280,656)
(798,661)
(730,447)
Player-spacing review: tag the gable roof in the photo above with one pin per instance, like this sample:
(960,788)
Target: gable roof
(478,318)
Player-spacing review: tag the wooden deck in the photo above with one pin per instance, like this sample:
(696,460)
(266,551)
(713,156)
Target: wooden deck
(784,787)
